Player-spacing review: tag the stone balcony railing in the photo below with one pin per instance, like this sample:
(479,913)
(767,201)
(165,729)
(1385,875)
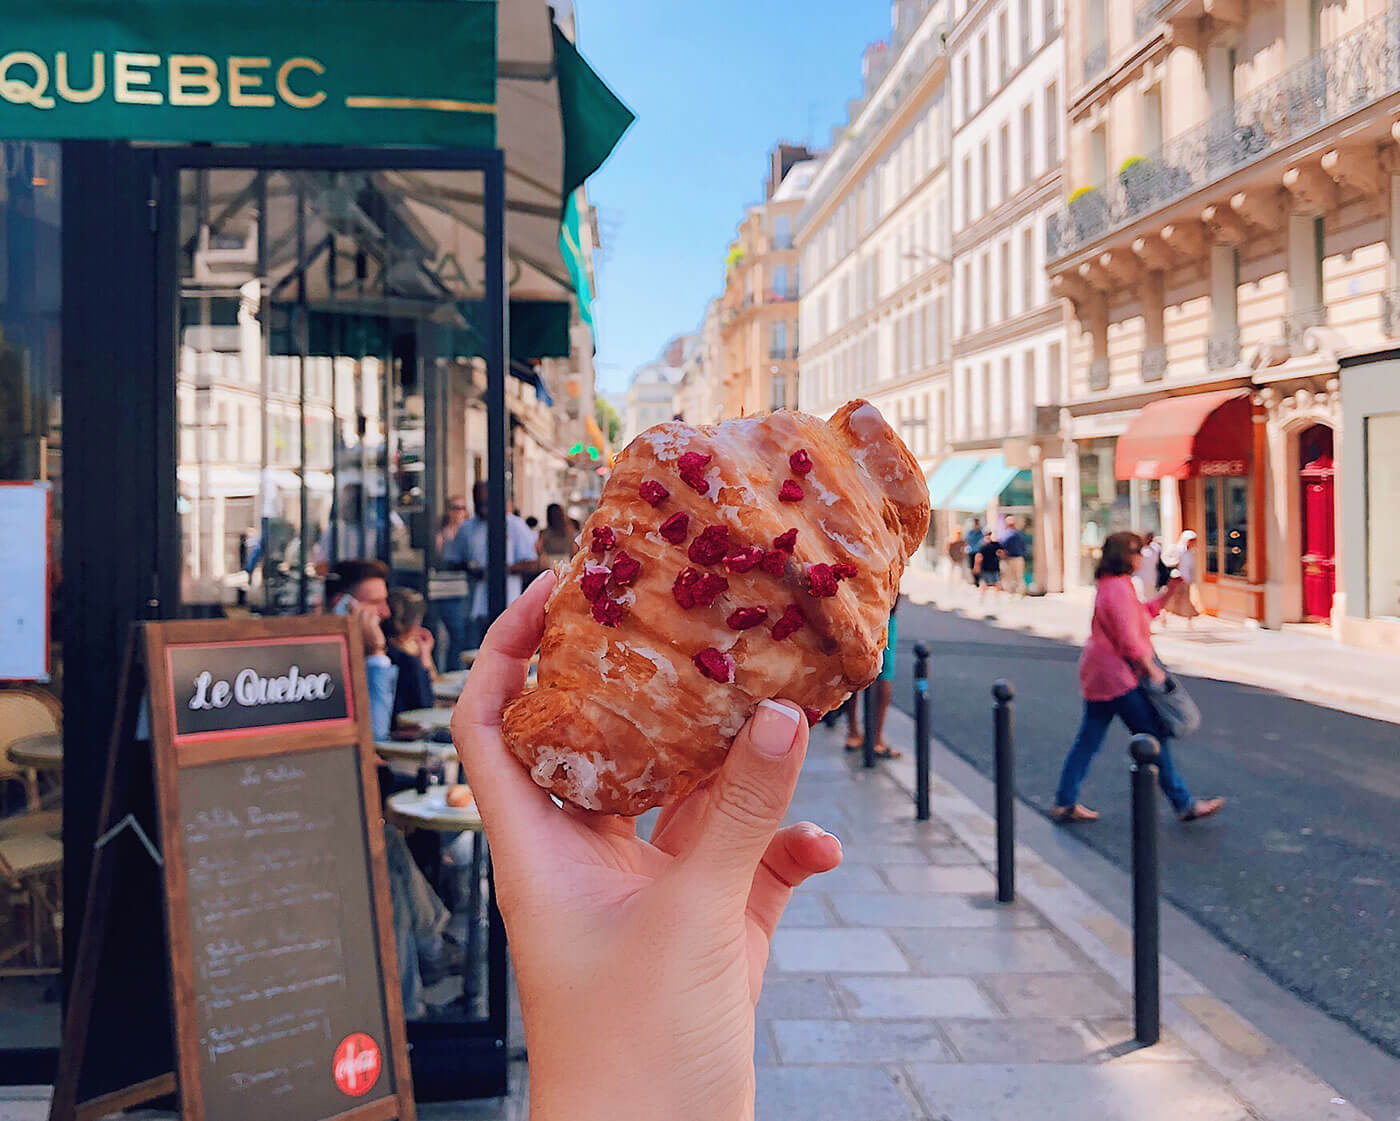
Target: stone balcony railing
(1223,349)
(1154,363)
(1098,373)
(1390,311)
(1296,324)
(1356,69)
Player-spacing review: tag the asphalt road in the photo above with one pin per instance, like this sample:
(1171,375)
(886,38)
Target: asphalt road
(1300,873)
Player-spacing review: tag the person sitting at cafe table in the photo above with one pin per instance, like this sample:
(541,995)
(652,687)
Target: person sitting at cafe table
(472,545)
(360,589)
(410,649)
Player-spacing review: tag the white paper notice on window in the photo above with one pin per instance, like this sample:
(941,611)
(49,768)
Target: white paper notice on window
(24,581)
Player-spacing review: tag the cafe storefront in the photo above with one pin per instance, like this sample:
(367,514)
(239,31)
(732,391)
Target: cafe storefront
(258,264)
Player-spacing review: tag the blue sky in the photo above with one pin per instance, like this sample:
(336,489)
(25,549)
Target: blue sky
(714,85)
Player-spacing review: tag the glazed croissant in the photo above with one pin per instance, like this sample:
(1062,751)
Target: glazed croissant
(725,564)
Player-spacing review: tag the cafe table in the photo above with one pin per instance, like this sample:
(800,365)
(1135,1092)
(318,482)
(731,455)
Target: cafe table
(448,686)
(427,718)
(42,752)
(410,810)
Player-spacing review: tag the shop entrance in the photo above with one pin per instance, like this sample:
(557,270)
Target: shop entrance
(1316,485)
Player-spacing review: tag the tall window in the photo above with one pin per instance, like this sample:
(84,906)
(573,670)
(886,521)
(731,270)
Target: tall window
(1006,394)
(1227,525)
(982,69)
(1004,155)
(782,231)
(1052,124)
(1023,12)
(1004,288)
(779,392)
(1003,46)
(1027,143)
(985,264)
(966,317)
(1028,390)
(1054,374)
(966,207)
(984,410)
(984,175)
(778,344)
(1028,268)
(780,282)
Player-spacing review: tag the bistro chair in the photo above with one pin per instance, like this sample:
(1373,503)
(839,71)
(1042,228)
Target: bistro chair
(31,864)
(25,711)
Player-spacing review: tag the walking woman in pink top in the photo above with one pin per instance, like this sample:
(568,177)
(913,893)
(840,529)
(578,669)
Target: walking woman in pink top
(1117,656)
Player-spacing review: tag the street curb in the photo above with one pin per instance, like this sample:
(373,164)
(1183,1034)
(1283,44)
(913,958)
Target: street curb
(1272,1083)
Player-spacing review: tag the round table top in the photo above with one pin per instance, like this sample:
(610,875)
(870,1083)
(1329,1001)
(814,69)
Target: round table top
(412,810)
(448,687)
(415,751)
(427,718)
(43,752)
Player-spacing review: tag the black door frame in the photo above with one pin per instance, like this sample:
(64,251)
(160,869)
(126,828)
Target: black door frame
(121,542)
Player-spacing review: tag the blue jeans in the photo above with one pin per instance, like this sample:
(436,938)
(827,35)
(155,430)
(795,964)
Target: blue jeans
(452,614)
(1136,711)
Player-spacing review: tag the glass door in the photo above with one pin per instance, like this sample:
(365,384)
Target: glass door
(328,331)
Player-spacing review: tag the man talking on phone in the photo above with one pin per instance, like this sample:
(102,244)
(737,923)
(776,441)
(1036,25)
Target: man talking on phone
(360,589)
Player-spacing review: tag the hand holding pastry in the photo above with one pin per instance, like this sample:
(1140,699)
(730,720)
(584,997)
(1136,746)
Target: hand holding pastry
(671,936)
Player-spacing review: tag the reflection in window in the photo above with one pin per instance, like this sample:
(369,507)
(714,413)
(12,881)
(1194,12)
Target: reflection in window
(1227,526)
(1383,516)
(1213,526)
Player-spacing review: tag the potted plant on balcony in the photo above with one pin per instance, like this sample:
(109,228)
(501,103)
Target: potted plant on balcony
(1137,177)
(1088,212)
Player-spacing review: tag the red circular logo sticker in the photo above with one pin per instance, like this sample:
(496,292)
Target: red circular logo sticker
(356,1064)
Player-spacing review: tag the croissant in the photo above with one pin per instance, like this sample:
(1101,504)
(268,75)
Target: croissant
(725,564)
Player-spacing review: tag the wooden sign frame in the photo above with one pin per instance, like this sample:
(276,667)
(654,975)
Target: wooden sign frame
(146,674)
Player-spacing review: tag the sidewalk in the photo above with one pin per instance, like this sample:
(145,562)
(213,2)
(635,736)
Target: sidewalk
(1299,661)
(898,989)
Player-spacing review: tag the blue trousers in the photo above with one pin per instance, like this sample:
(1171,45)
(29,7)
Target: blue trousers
(1136,711)
(452,614)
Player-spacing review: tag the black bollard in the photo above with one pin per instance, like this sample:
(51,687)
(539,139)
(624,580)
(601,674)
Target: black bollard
(1005,791)
(868,707)
(1147,933)
(921,745)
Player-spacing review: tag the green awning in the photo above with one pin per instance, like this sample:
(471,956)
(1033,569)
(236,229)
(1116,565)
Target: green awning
(948,476)
(571,245)
(594,117)
(984,485)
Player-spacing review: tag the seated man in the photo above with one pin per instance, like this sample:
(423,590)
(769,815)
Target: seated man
(360,589)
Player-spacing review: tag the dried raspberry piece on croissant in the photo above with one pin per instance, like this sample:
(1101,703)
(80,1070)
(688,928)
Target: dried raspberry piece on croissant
(643,687)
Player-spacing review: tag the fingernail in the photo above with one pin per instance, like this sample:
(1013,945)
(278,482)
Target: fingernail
(774,729)
(837,839)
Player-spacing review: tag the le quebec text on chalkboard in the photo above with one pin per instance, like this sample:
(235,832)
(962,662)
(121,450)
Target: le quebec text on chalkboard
(283,985)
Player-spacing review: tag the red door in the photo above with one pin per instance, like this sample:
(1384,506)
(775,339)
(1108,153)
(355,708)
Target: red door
(1319,568)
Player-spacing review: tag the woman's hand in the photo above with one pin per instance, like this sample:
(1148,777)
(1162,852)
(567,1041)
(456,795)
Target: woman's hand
(639,963)
(1154,674)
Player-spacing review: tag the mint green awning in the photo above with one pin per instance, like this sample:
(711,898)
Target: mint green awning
(984,485)
(948,476)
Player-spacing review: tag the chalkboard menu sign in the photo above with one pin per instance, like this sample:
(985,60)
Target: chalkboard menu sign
(283,983)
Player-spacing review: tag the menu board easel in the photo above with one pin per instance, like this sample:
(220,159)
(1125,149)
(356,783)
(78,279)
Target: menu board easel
(260,841)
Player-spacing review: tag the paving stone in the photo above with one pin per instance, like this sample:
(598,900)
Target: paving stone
(837,950)
(952,855)
(796,998)
(1120,1044)
(928,910)
(828,1093)
(862,851)
(805,908)
(962,880)
(1023,1041)
(1054,1092)
(989,951)
(888,998)
(848,876)
(1226,1025)
(1058,995)
(763,1043)
(860,1041)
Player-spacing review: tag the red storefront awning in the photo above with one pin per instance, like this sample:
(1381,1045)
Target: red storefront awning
(1178,437)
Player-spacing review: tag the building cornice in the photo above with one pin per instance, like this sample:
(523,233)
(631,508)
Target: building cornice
(1150,48)
(1037,319)
(1026,201)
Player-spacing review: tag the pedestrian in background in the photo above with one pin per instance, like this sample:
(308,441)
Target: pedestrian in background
(557,539)
(1013,557)
(1146,576)
(884,689)
(1117,657)
(1180,561)
(447,584)
(986,566)
(522,556)
(975,537)
(957,556)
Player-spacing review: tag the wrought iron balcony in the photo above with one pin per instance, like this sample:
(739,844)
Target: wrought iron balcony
(1154,363)
(780,295)
(782,241)
(1223,349)
(1390,311)
(1098,373)
(1356,69)
(1296,324)
(1095,60)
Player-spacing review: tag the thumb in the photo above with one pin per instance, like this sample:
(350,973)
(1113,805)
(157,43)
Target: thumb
(748,801)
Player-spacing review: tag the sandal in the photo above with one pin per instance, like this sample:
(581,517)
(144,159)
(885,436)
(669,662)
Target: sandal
(1202,807)
(855,743)
(1070,815)
(885,751)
